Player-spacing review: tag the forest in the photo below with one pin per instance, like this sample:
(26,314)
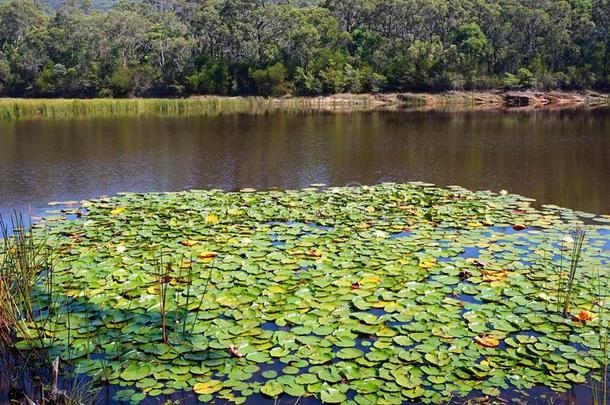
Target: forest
(178,48)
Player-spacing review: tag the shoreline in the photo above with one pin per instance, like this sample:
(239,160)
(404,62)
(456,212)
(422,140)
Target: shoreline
(21,108)
(495,99)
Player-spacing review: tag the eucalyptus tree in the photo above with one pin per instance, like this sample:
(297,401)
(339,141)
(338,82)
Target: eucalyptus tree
(601,16)
(169,51)
(17,17)
(86,48)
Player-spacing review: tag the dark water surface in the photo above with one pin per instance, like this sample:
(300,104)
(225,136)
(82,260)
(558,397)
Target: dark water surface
(556,157)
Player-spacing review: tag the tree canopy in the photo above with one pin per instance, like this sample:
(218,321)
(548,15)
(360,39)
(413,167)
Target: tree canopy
(105,48)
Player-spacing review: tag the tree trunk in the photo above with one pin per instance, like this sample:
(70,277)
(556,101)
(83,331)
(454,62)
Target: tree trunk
(607,53)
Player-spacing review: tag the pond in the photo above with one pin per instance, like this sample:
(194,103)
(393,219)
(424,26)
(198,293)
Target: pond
(556,157)
(362,292)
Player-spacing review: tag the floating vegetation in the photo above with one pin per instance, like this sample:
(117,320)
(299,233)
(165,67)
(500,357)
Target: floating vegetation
(364,295)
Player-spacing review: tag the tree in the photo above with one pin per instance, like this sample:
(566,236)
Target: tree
(128,31)
(271,81)
(17,17)
(473,49)
(86,48)
(601,16)
(170,50)
(5,73)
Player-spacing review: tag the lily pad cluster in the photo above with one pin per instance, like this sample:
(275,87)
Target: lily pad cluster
(358,295)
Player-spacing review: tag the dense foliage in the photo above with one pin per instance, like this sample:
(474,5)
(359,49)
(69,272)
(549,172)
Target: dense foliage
(85,48)
(391,294)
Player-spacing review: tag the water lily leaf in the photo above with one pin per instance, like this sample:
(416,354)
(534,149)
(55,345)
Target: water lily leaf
(414,393)
(208,387)
(269,374)
(487,341)
(279,352)
(118,211)
(329,375)
(272,389)
(206,255)
(332,395)
(258,357)
(136,372)
(491,391)
(576,378)
(349,353)
(307,378)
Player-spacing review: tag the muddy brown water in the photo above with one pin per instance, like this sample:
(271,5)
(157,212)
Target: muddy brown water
(556,157)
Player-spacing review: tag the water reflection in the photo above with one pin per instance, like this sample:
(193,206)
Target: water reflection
(558,157)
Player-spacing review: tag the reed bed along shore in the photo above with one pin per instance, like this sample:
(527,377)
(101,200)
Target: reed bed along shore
(11,109)
(15,109)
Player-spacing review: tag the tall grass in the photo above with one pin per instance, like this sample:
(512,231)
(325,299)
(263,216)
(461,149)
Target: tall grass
(599,383)
(568,278)
(28,376)
(566,290)
(181,294)
(15,109)
(23,259)
(164,278)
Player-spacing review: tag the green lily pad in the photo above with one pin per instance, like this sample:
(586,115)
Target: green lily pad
(272,389)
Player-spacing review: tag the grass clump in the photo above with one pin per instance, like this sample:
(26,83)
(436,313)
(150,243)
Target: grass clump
(18,109)
(27,375)
(23,258)
(567,279)
(14,109)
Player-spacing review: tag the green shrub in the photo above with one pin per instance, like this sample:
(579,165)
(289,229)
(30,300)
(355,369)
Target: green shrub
(524,79)
(271,81)
(121,81)
(214,77)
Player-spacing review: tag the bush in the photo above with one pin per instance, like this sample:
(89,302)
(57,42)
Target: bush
(372,82)
(307,82)
(5,74)
(121,81)
(271,81)
(105,93)
(333,79)
(50,80)
(214,77)
(524,79)
(354,79)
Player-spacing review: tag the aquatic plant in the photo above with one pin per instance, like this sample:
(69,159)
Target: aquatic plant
(599,381)
(27,375)
(23,258)
(162,275)
(566,286)
(16,109)
(391,293)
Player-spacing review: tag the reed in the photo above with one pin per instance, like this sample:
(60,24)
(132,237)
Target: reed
(14,109)
(23,259)
(181,295)
(26,263)
(162,275)
(19,109)
(599,382)
(567,277)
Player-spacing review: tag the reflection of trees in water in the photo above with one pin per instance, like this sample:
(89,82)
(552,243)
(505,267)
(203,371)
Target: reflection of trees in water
(553,156)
